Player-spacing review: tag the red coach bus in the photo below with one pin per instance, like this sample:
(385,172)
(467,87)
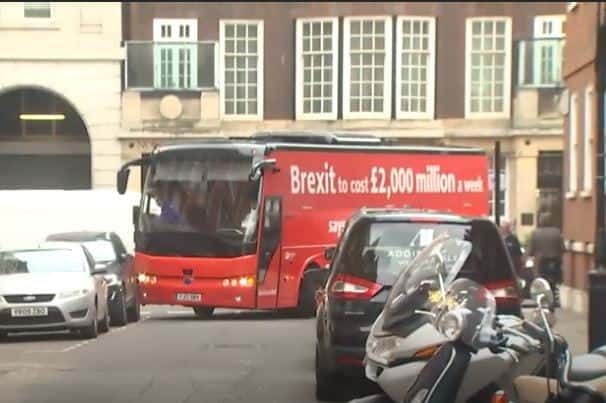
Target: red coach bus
(244,223)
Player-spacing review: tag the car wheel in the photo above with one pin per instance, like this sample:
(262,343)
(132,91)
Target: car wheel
(203,312)
(134,311)
(118,314)
(328,384)
(104,324)
(91,331)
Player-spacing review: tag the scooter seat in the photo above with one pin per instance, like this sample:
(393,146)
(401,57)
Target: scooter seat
(587,367)
(600,351)
(373,399)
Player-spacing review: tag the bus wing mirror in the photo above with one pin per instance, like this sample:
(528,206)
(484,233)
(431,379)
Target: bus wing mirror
(329,253)
(122,180)
(257,169)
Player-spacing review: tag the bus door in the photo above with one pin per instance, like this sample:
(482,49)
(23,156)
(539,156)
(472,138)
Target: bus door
(269,252)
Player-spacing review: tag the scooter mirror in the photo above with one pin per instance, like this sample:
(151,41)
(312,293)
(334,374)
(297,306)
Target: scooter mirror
(541,292)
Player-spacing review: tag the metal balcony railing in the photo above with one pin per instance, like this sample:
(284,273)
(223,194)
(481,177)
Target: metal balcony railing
(540,63)
(170,65)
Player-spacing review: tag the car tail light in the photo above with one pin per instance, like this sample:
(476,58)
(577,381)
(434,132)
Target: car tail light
(504,290)
(345,286)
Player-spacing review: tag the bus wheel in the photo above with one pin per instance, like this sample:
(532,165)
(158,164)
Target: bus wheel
(307,294)
(203,312)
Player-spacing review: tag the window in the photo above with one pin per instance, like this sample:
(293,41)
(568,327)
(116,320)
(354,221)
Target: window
(549,170)
(242,73)
(36,10)
(415,67)
(316,68)
(367,68)
(548,49)
(587,141)
(572,145)
(175,53)
(502,188)
(488,67)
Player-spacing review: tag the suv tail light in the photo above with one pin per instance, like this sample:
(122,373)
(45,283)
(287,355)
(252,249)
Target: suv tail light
(504,290)
(345,286)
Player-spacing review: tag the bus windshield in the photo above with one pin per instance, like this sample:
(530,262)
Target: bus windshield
(199,204)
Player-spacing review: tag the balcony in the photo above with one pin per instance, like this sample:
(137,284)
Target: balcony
(539,86)
(174,66)
(170,84)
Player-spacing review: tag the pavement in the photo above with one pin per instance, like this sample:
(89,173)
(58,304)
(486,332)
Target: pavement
(169,356)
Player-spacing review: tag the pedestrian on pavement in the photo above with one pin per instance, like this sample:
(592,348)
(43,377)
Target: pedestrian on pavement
(513,246)
(546,247)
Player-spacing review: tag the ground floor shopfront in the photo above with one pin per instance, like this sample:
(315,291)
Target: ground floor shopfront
(59,128)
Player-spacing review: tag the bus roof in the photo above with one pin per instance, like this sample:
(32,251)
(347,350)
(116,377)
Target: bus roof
(319,141)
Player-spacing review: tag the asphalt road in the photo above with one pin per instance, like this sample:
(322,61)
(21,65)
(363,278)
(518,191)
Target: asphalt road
(167,357)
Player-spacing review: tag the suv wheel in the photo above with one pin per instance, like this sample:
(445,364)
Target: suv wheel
(328,384)
(118,315)
(104,324)
(134,311)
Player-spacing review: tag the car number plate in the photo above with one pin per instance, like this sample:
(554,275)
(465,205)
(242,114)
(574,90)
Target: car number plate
(29,311)
(189,297)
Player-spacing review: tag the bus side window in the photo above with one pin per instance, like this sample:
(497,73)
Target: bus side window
(270,235)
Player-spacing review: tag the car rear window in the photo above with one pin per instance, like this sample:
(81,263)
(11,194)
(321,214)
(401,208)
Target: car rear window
(379,251)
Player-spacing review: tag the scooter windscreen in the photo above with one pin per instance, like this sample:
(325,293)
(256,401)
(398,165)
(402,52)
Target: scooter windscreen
(423,284)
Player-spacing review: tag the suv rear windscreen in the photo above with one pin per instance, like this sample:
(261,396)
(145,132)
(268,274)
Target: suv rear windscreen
(379,251)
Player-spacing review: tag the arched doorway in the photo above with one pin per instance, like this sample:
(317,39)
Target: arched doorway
(44,143)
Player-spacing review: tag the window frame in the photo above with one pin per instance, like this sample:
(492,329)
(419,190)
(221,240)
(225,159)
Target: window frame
(572,141)
(175,45)
(506,114)
(588,130)
(387,72)
(431,74)
(299,70)
(260,70)
(50,17)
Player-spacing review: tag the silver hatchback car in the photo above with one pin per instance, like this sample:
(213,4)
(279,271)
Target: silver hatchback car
(52,287)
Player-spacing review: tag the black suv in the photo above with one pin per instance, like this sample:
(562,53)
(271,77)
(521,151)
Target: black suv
(108,251)
(375,247)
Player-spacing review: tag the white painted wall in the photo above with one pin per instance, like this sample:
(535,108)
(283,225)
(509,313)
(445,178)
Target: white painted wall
(28,216)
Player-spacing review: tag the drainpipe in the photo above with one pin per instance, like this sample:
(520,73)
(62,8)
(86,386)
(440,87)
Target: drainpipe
(597,276)
(497,183)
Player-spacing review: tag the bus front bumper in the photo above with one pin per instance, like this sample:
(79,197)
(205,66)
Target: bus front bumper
(199,292)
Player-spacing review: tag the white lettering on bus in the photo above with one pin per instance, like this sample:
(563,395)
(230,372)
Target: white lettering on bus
(312,182)
(432,181)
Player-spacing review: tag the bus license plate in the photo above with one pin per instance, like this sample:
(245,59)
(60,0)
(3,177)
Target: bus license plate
(29,311)
(189,297)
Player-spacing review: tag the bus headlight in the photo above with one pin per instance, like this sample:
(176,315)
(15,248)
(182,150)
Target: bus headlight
(147,278)
(242,282)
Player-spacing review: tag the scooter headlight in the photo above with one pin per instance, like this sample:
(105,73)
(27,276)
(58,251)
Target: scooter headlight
(451,325)
(383,349)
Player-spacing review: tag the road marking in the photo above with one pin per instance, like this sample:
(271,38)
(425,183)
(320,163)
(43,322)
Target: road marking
(85,342)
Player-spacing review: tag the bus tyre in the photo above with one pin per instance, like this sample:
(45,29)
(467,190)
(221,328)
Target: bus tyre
(307,296)
(118,314)
(134,311)
(203,312)
(328,384)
